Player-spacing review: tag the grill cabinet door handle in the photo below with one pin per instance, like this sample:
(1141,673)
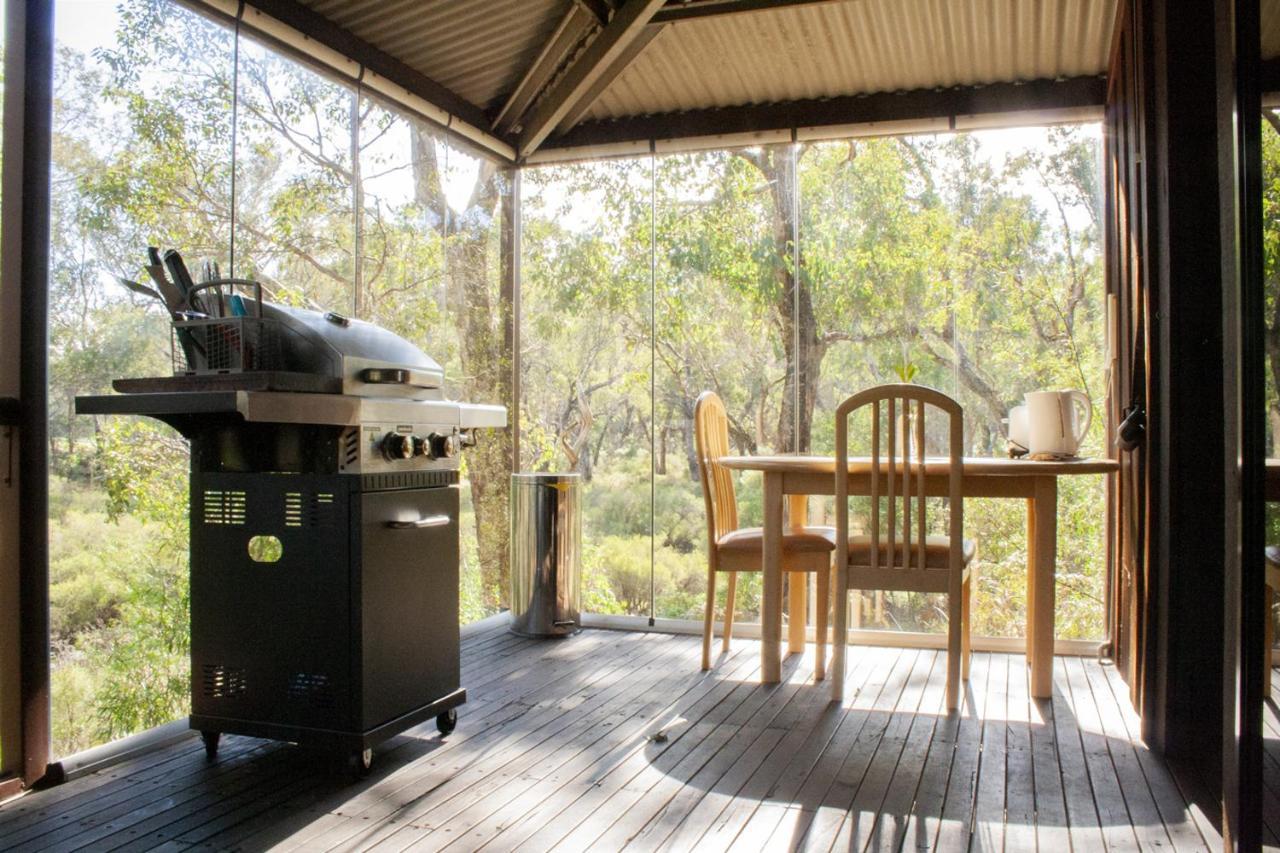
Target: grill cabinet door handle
(418,524)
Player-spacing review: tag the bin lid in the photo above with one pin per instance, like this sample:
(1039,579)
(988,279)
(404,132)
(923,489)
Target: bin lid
(545,479)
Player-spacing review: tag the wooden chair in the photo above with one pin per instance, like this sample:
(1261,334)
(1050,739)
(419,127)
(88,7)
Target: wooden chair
(879,560)
(1273,584)
(731,549)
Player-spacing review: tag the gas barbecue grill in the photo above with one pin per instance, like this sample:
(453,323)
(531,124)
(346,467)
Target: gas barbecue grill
(324,524)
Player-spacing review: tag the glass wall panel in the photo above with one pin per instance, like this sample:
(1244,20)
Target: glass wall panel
(474,343)
(141,156)
(294,190)
(724,306)
(586,358)
(970,263)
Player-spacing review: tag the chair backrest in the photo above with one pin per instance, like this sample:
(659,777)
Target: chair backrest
(898,476)
(711,439)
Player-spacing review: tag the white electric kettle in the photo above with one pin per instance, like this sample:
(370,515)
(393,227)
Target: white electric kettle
(1050,422)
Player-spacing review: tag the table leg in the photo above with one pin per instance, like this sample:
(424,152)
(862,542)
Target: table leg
(771,615)
(1031,582)
(1046,549)
(798,582)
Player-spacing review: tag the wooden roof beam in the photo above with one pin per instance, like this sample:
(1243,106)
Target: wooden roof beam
(575,25)
(992,99)
(608,48)
(606,79)
(688,10)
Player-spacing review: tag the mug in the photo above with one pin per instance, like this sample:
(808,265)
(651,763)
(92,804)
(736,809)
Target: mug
(1053,422)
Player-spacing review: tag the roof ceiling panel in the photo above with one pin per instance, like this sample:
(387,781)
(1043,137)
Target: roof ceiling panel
(477,49)
(859,46)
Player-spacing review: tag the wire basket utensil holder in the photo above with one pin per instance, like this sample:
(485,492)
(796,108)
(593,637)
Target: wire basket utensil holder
(224,331)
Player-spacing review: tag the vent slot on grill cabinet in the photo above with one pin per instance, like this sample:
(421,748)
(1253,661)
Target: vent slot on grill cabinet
(302,510)
(224,507)
(350,447)
(223,682)
(312,687)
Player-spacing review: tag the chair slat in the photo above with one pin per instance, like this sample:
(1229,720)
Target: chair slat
(920,549)
(875,484)
(906,483)
(893,437)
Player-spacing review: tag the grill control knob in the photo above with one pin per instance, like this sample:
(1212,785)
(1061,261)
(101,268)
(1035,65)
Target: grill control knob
(442,446)
(397,446)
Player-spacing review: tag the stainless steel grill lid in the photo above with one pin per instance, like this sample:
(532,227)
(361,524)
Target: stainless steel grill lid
(369,360)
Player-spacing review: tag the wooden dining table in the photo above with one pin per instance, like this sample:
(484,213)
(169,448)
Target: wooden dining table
(983,477)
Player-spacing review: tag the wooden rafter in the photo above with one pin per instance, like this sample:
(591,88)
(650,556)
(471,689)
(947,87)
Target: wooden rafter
(575,25)
(692,9)
(608,48)
(1035,95)
(606,79)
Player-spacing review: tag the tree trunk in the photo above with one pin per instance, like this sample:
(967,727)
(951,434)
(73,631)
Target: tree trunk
(802,346)
(485,324)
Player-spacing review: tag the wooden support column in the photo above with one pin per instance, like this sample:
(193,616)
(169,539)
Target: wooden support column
(24,344)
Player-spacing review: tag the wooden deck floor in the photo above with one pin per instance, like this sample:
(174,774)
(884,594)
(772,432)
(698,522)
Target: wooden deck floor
(1271,766)
(614,740)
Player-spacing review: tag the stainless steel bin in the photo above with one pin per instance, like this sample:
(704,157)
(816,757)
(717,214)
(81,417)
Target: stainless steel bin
(546,541)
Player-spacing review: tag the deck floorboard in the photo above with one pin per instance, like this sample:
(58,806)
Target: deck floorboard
(613,740)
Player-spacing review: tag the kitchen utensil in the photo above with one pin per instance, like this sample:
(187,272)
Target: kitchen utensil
(1053,423)
(142,289)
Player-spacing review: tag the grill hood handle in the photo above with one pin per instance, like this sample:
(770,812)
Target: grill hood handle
(398,376)
(420,523)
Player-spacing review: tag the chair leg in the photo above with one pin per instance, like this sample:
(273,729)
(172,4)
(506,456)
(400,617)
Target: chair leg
(709,619)
(1270,635)
(840,601)
(954,632)
(824,605)
(966,613)
(730,593)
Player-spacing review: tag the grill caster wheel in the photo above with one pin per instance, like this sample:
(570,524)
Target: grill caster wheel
(448,721)
(210,744)
(359,763)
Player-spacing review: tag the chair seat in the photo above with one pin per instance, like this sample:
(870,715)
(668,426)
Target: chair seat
(937,551)
(794,539)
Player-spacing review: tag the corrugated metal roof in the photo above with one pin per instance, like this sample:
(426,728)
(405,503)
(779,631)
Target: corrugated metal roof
(481,50)
(859,46)
(478,49)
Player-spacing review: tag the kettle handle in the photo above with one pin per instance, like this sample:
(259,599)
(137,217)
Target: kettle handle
(1083,399)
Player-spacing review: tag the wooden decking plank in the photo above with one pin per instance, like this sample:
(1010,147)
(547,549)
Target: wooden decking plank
(862,824)
(554,748)
(519,717)
(809,721)
(1082,814)
(444,790)
(38,805)
(1153,821)
(1174,811)
(989,798)
(1119,826)
(163,821)
(700,820)
(798,721)
(955,826)
(887,673)
(588,815)
(560,804)
(922,823)
(841,794)
(650,783)
(889,829)
(628,729)
(1019,780)
(131,803)
(1053,829)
